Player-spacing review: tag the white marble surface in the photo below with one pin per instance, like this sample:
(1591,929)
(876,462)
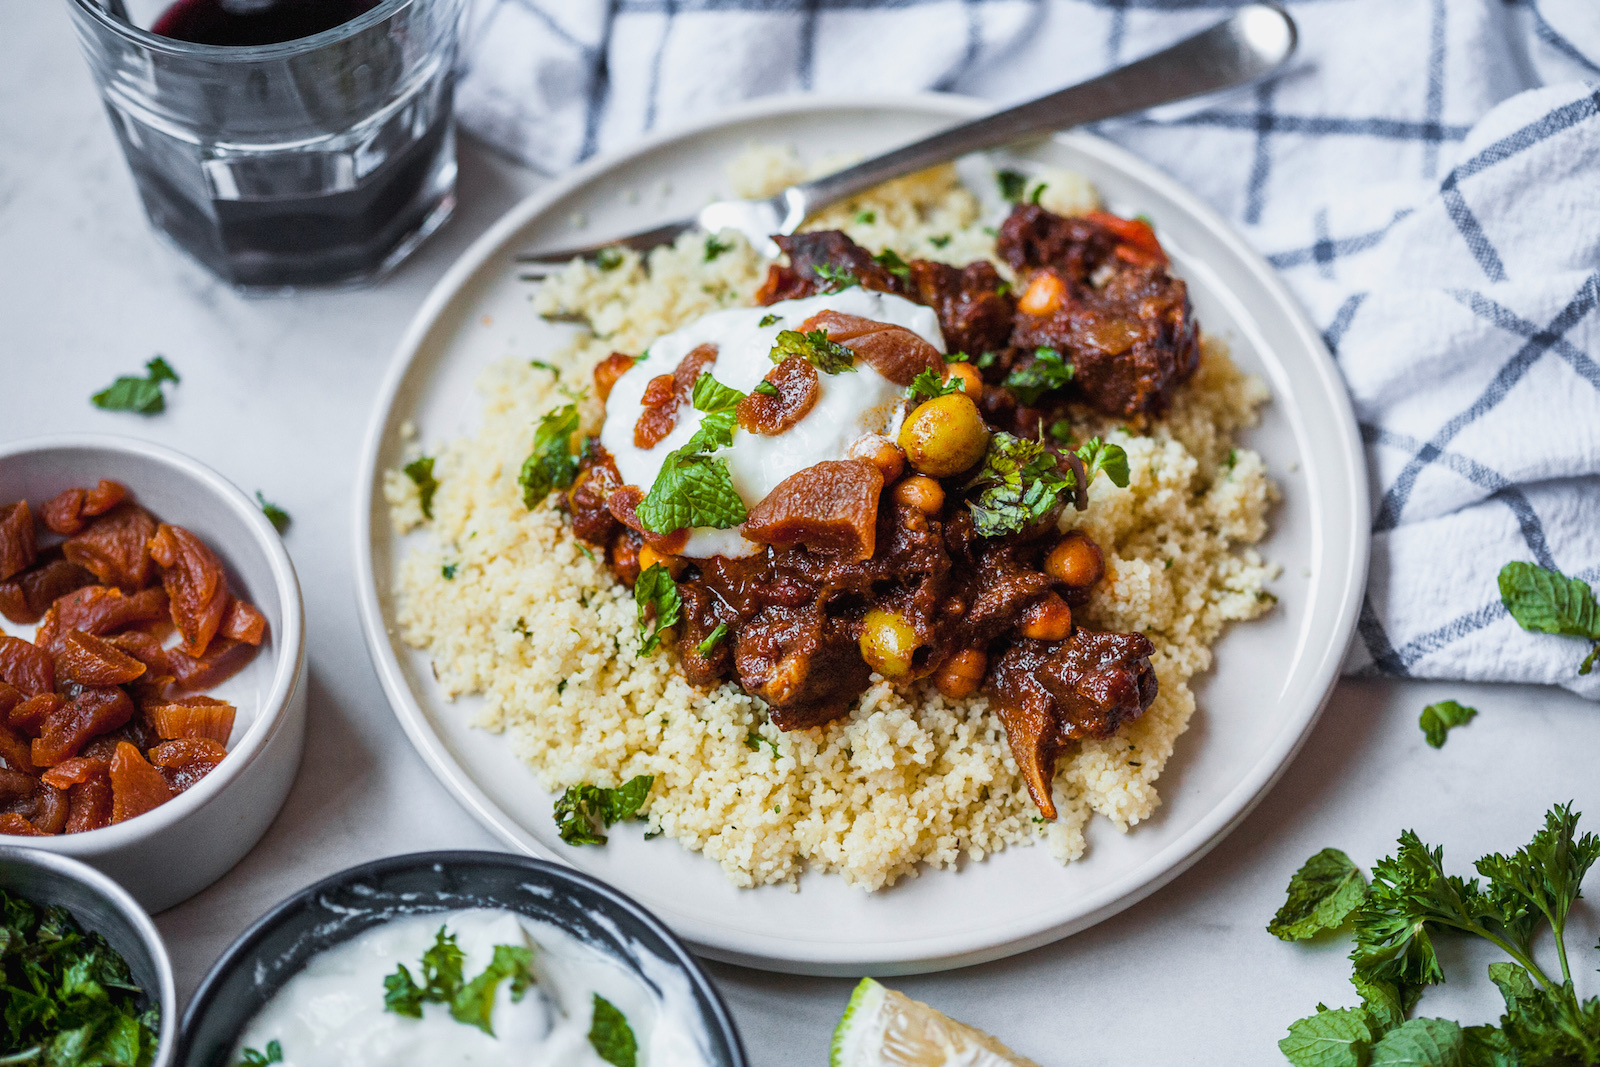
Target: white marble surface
(275,394)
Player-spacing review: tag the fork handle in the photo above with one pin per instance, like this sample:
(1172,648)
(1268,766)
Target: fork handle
(1255,41)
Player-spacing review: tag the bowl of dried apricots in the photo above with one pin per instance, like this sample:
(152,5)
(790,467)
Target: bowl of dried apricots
(152,663)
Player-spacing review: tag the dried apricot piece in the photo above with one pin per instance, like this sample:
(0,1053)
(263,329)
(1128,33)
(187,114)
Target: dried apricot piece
(18,545)
(183,763)
(99,610)
(199,716)
(44,806)
(17,826)
(89,803)
(94,711)
(29,715)
(75,771)
(116,547)
(25,597)
(15,752)
(136,787)
(90,660)
(26,666)
(142,646)
(69,511)
(10,697)
(196,586)
(243,622)
(225,658)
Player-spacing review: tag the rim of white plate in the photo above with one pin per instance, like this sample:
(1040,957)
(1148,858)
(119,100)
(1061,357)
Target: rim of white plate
(1350,542)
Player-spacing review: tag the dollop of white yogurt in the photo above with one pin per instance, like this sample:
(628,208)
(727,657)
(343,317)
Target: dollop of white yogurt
(849,406)
(332,1013)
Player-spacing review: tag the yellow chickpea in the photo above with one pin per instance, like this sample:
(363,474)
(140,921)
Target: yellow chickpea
(888,644)
(944,436)
(921,492)
(961,674)
(1076,561)
(883,454)
(1046,619)
(971,380)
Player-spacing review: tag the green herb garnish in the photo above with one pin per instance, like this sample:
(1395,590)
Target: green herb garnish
(1021,481)
(1061,430)
(713,639)
(655,591)
(939,240)
(256,1058)
(473,1003)
(583,810)
(1038,191)
(1047,371)
(1098,456)
(753,741)
(448,571)
(420,471)
(694,488)
(275,515)
(890,261)
(1410,903)
(1548,602)
(765,388)
(1437,719)
(866,218)
(551,465)
(140,395)
(829,357)
(927,386)
(542,365)
(987,360)
(715,247)
(444,983)
(835,279)
(611,1036)
(1012,184)
(769,320)
(608,258)
(1323,895)
(66,998)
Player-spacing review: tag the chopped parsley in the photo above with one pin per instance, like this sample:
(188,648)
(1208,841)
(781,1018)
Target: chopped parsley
(420,471)
(1038,191)
(251,1057)
(584,810)
(655,591)
(693,487)
(610,1035)
(68,999)
(715,247)
(542,365)
(753,741)
(1411,903)
(448,571)
(890,261)
(1098,456)
(927,386)
(608,258)
(277,516)
(1548,602)
(769,320)
(551,465)
(713,639)
(444,983)
(1438,719)
(835,279)
(1047,371)
(939,240)
(866,218)
(1012,184)
(987,360)
(829,357)
(1061,430)
(142,396)
(1020,482)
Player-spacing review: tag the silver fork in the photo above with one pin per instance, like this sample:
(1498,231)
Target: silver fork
(1249,45)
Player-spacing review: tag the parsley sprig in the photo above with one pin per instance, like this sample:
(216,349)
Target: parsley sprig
(694,488)
(420,471)
(829,357)
(1021,480)
(890,261)
(583,810)
(1047,371)
(551,465)
(927,386)
(1548,602)
(1410,903)
(444,983)
(834,279)
(656,592)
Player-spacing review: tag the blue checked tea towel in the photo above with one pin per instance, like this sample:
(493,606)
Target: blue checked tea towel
(1426,175)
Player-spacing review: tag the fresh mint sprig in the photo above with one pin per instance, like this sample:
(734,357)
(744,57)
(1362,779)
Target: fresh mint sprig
(1548,602)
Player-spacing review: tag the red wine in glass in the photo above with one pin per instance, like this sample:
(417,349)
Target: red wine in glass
(241,23)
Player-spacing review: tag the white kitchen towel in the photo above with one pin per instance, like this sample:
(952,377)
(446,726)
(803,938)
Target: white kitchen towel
(1426,175)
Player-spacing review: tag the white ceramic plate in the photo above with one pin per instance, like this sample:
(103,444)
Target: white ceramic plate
(1256,708)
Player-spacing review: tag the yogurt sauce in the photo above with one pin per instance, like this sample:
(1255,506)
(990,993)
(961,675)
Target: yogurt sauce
(331,1014)
(850,405)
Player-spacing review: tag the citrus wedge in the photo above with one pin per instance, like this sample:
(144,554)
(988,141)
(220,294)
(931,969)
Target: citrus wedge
(883,1028)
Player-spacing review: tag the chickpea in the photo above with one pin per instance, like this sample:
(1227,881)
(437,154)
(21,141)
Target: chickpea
(888,644)
(649,556)
(1045,293)
(971,380)
(1046,619)
(921,492)
(1076,561)
(961,674)
(881,453)
(944,436)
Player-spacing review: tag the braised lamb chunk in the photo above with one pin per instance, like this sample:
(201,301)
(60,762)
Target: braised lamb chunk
(974,307)
(1053,693)
(829,249)
(1032,238)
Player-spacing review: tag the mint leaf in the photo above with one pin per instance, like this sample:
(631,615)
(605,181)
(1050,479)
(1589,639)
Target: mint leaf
(890,261)
(401,995)
(713,639)
(1421,1043)
(441,967)
(714,398)
(577,811)
(1381,1001)
(834,279)
(765,388)
(420,471)
(1047,371)
(927,386)
(1546,601)
(1099,456)
(1437,720)
(692,491)
(656,592)
(250,1057)
(142,396)
(1012,184)
(1322,895)
(275,515)
(551,465)
(611,1036)
(827,356)
(1338,1038)
(1020,480)
(474,1003)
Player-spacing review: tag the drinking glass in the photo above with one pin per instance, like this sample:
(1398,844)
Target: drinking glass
(316,161)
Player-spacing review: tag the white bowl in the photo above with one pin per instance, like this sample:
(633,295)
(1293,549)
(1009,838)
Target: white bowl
(171,853)
(105,908)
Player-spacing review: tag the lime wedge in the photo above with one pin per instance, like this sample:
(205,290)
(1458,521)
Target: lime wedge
(883,1028)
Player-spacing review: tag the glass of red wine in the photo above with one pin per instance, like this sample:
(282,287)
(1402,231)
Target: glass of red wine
(283,143)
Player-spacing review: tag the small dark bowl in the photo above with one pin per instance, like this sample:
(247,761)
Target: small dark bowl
(338,908)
